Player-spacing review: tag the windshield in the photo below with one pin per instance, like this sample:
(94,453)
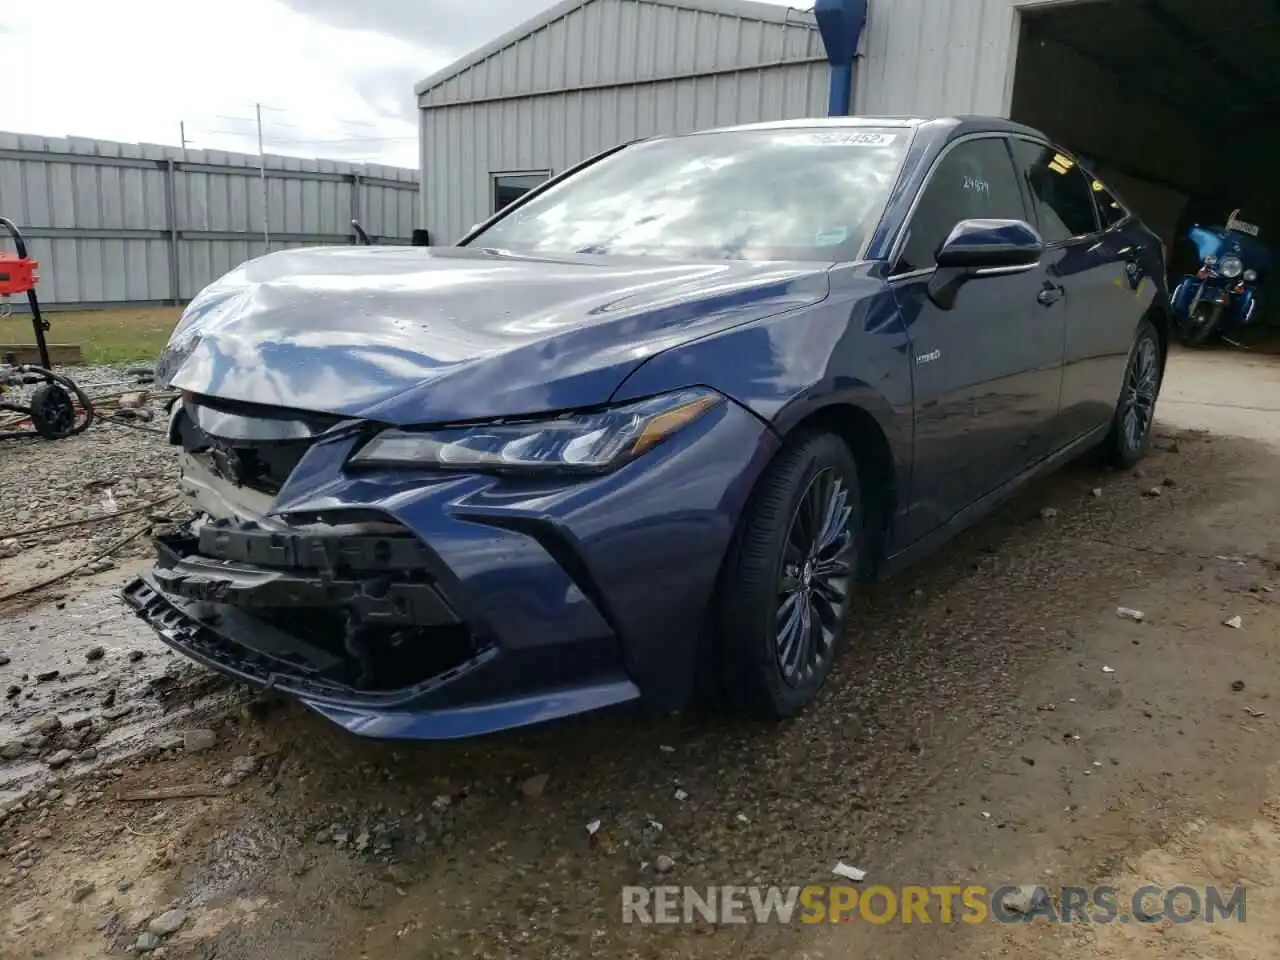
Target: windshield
(800,194)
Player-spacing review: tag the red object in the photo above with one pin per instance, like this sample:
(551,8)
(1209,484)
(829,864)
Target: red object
(17,274)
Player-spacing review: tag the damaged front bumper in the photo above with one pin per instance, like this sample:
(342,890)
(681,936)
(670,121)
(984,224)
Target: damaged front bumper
(430,606)
(355,627)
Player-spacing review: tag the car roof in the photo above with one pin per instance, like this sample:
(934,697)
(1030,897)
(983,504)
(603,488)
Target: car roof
(945,127)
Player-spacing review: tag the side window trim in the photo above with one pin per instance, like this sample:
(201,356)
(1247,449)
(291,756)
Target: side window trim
(1080,238)
(900,239)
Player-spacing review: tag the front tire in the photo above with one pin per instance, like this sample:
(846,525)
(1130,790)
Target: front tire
(1201,324)
(1131,425)
(783,603)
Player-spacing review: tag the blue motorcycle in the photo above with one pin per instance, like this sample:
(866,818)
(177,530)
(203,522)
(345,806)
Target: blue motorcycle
(1223,294)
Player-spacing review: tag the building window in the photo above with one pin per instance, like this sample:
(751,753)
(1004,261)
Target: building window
(510,187)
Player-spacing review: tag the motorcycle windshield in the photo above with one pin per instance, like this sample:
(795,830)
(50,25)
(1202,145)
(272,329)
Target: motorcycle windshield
(1218,242)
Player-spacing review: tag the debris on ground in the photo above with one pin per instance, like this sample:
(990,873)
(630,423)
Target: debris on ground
(1026,899)
(593,828)
(168,923)
(1097,492)
(1128,613)
(1153,492)
(1236,623)
(664,863)
(1048,513)
(1256,714)
(842,869)
(533,787)
(60,759)
(184,791)
(681,794)
(1108,670)
(146,942)
(1237,685)
(193,741)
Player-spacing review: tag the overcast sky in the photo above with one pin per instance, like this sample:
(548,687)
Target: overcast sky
(334,77)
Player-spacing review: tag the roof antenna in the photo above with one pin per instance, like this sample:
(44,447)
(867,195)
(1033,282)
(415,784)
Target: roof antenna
(360,234)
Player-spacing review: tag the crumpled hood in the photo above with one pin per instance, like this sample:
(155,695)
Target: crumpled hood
(423,335)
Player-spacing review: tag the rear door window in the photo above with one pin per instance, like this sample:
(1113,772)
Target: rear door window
(1063,197)
(975,180)
(1110,210)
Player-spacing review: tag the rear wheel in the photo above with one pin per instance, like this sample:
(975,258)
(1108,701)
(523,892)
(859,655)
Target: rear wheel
(783,603)
(1130,436)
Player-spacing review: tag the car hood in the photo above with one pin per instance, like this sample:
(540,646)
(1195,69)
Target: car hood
(423,335)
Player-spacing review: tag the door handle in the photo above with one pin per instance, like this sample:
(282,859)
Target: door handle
(1051,294)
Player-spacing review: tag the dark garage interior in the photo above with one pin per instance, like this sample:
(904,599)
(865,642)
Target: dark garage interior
(1174,102)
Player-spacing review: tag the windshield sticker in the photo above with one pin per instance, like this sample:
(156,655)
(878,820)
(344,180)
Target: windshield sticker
(976,185)
(831,236)
(856,138)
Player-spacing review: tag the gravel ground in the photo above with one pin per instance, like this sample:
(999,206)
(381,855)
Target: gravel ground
(969,735)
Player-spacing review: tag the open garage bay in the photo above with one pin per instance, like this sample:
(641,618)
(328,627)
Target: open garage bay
(1174,101)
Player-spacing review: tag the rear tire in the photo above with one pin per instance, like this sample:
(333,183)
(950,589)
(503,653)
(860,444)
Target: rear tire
(782,606)
(1131,426)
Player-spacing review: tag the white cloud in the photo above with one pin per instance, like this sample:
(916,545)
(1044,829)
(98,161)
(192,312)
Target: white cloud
(133,71)
(335,78)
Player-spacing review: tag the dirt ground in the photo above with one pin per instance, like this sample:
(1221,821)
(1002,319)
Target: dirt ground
(994,721)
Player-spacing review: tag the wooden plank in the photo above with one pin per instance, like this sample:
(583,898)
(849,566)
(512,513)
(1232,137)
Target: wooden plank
(60,354)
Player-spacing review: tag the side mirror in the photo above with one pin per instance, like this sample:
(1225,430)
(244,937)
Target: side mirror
(982,248)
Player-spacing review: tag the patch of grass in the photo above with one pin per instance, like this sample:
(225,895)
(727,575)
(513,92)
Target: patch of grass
(105,336)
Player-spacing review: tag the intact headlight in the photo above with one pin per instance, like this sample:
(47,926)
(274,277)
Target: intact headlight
(591,442)
(1231,267)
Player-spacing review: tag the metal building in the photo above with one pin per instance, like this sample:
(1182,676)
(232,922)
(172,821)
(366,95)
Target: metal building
(1154,93)
(588,74)
(1173,101)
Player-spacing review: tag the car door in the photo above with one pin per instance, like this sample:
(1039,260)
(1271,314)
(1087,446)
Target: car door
(987,372)
(1091,264)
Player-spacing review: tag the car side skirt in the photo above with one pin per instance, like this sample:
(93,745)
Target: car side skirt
(980,508)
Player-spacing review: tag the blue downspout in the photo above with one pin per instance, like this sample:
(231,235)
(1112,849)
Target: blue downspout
(841,23)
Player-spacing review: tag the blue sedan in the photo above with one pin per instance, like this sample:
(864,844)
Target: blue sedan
(642,434)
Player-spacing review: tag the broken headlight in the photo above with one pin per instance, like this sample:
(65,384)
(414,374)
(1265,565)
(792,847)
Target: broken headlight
(595,441)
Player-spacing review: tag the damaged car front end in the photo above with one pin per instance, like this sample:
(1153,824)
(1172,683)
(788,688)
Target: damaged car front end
(404,604)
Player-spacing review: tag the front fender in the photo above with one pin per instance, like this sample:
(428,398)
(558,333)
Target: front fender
(850,349)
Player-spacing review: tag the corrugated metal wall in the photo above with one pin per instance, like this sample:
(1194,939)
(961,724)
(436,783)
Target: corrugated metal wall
(134,223)
(607,72)
(936,57)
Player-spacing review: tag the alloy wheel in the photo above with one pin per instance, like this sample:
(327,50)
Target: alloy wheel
(1141,387)
(813,590)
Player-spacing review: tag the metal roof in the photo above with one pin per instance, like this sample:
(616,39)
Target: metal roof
(746,9)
